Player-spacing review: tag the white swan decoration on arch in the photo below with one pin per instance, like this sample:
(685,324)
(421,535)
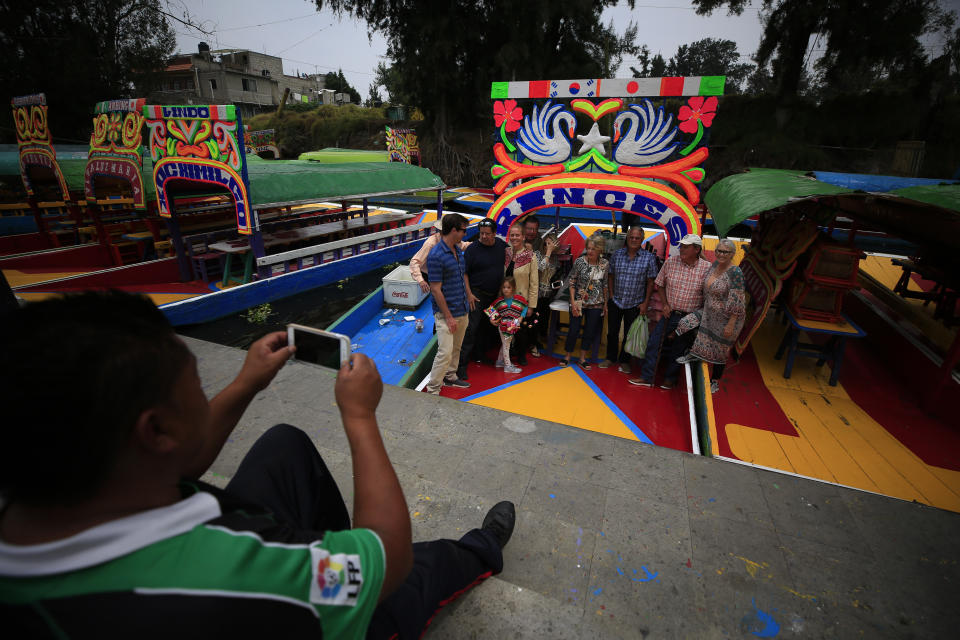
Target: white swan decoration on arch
(645,137)
(542,138)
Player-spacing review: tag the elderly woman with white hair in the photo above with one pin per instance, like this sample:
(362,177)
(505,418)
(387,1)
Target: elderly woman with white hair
(588,300)
(723,312)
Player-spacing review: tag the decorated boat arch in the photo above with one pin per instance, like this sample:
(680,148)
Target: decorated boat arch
(403,146)
(262,141)
(116,150)
(654,163)
(35,143)
(203,144)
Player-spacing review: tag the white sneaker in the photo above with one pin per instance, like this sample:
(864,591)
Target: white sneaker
(624,368)
(689,357)
(511,369)
(714,386)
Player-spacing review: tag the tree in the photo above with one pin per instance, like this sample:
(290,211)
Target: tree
(338,83)
(445,53)
(373,97)
(80,52)
(711,57)
(610,48)
(385,77)
(879,35)
(655,67)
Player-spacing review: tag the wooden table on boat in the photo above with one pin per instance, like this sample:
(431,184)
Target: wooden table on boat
(832,350)
(242,245)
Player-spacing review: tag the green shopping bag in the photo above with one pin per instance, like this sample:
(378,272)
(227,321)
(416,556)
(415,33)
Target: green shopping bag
(637,336)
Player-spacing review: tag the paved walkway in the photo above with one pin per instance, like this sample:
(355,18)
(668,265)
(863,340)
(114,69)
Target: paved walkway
(617,539)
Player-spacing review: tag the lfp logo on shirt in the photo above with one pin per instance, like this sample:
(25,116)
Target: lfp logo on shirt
(329,577)
(336,578)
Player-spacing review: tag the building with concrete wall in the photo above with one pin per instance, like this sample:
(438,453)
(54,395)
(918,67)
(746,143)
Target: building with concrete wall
(253,81)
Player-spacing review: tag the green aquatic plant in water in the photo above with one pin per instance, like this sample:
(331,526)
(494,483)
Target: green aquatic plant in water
(258,314)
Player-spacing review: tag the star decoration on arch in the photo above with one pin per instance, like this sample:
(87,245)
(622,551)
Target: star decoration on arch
(593,140)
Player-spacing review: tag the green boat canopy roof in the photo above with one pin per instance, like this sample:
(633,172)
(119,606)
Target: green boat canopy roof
(335,155)
(738,197)
(279,182)
(946,196)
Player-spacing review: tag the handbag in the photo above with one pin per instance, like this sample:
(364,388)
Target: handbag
(637,336)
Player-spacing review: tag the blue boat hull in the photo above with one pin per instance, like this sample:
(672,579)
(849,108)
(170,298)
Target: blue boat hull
(223,303)
(402,354)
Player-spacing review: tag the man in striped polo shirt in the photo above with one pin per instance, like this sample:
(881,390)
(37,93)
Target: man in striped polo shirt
(105,530)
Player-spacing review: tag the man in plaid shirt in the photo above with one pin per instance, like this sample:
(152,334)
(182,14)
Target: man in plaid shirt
(632,271)
(681,280)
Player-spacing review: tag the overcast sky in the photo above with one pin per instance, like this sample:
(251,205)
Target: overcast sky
(311,41)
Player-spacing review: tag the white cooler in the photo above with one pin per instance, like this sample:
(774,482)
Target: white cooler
(401,290)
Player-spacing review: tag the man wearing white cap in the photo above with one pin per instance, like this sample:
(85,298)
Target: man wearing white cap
(681,284)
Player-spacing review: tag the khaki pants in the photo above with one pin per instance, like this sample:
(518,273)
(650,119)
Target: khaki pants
(448,352)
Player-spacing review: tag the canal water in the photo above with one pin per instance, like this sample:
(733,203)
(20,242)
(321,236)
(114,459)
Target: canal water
(318,308)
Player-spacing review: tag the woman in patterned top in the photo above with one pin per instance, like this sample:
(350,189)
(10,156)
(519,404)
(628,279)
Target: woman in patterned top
(506,313)
(588,300)
(521,263)
(723,312)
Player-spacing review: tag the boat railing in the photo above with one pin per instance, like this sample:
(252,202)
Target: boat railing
(329,251)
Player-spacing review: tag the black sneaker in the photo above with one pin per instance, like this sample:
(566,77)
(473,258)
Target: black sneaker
(456,382)
(522,361)
(462,374)
(499,522)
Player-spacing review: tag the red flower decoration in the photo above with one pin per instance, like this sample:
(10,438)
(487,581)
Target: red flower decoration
(700,110)
(508,112)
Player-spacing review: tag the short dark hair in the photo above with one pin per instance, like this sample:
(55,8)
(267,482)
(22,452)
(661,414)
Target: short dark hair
(451,221)
(78,371)
(533,219)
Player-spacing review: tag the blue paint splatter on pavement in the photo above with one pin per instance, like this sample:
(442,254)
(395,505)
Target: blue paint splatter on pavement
(619,570)
(650,576)
(762,624)
(553,496)
(712,500)
(598,591)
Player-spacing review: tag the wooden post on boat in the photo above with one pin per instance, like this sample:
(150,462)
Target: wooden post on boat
(179,249)
(41,223)
(259,251)
(366,212)
(439,203)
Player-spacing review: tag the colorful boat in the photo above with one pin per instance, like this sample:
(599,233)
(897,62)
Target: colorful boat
(887,422)
(879,417)
(289,226)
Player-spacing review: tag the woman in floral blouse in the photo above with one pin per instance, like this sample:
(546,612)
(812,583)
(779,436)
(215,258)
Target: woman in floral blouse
(588,300)
(723,312)
(521,263)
